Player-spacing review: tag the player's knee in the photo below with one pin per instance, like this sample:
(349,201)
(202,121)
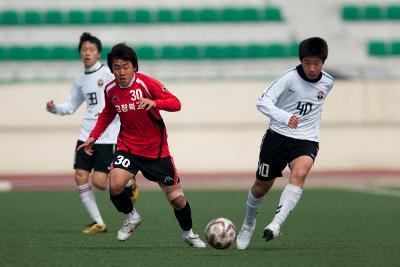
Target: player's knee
(115,187)
(177,199)
(81,177)
(101,185)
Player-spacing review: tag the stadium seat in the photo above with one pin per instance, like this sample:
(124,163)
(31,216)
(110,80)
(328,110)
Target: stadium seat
(250,14)
(98,16)
(393,12)
(120,16)
(2,53)
(273,14)
(104,52)
(64,53)
(293,50)
(277,50)
(233,51)
(351,13)
(76,17)
(53,17)
(255,51)
(18,53)
(377,48)
(9,17)
(230,14)
(190,52)
(213,52)
(39,53)
(208,15)
(165,16)
(32,17)
(395,48)
(188,15)
(373,12)
(142,16)
(146,52)
(170,52)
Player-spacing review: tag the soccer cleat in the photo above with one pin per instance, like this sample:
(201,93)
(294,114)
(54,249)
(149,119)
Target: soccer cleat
(271,231)
(244,236)
(95,228)
(127,229)
(133,191)
(195,242)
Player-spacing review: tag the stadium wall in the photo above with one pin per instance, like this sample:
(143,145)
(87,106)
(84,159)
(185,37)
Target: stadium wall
(217,130)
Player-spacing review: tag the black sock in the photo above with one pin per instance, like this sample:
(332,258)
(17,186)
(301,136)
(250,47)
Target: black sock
(184,217)
(122,202)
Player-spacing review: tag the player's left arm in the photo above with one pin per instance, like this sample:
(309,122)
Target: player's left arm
(162,98)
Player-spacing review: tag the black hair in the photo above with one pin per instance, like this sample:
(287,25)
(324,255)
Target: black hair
(122,51)
(87,37)
(313,47)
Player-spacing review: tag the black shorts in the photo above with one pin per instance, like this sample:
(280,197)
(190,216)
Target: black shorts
(157,170)
(101,159)
(278,150)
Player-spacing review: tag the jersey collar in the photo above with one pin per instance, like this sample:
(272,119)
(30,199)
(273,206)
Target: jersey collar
(94,68)
(302,74)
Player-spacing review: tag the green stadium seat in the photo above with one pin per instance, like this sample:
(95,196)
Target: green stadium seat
(208,15)
(213,52)
(98,16)
(170,52)
(142,16)
(3,54)
(53,17)
(393,12)
(166,15)
(250,14)
(120,16)
(395,48)
(233,52)
(9,17)
(191,52)
(40,53)
(104,52)
(293,50)
(372,12)
(64,53)
(273,14)
(230,14)
(146,52)
(255,51)
(377,48)
(32,17)
(18,53)
(76,17)
(351,13)
(188,15)
(277,51)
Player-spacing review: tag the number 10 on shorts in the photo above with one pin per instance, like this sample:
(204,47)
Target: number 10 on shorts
(263,169)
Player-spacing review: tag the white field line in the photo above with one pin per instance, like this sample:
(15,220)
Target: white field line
(377,191)
(5,186)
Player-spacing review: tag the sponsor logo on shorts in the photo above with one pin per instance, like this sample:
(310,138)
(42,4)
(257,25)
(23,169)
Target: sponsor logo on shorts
(168,179)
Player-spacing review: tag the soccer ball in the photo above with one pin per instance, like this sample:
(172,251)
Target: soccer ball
(220,233)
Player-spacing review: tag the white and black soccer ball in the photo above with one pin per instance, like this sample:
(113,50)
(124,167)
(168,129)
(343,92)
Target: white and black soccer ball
(220,233)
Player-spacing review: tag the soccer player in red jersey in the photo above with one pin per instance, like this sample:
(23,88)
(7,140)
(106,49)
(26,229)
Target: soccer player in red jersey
(142,140)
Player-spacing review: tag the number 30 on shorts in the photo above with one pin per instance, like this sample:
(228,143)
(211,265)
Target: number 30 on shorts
(121,160)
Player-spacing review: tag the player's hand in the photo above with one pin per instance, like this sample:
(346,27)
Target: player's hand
(293,122)
(145,103)
(87,146)
(50,106)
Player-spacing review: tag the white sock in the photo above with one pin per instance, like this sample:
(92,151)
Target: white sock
(187,234)
(129,183)
(133,216)
(289,198)
(89,201)
(251,209)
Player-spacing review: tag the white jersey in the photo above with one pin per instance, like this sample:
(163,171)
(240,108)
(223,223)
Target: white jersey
(294,94)
(89,86)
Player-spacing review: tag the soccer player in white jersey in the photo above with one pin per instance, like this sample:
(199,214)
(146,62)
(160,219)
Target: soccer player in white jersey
(89,87)
(293,102)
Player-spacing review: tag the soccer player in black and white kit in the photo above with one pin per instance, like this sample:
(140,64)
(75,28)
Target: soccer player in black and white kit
(293,102)
(89,87)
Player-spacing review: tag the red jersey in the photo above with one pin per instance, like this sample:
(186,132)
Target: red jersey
(142,132)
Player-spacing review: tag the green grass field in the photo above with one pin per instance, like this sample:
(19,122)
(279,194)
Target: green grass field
(328,228)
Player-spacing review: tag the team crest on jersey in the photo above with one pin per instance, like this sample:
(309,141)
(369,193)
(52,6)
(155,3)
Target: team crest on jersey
(100,82)
(320,95)
(115,99)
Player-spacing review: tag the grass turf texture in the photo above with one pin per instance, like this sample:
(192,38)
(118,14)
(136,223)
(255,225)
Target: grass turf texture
(328,228)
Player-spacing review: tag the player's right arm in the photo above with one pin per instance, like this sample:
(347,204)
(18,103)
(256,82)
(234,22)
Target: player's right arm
(266,104)
(75,99)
